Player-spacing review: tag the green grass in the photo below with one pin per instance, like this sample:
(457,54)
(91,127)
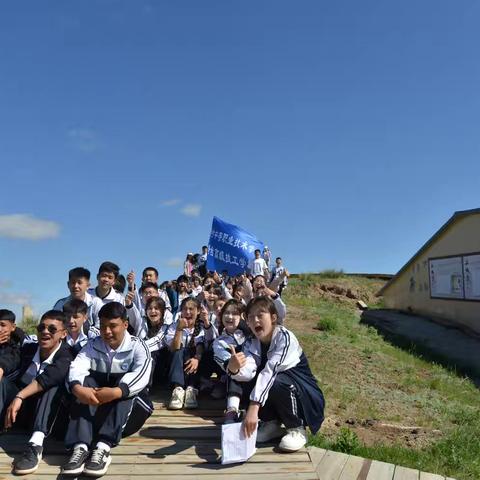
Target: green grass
(365,377)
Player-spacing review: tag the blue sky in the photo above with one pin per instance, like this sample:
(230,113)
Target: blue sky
(342,134)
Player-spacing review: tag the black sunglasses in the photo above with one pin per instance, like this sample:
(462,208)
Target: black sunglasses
(51,328)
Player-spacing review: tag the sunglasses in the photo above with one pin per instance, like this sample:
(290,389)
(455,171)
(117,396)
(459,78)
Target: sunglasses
(51,328)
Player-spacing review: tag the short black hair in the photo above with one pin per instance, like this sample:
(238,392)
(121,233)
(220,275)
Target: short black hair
(74,307)
(153,269)
(148,285)
(54,315)
(109,267)
(120,284)
(183,278)
(278,258)
(7,315)
(78,272)
(204,247)
(257,250)
(113,310)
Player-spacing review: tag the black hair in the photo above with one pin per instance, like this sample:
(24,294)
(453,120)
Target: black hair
(148,285)
(182,278)
(109,267)
(78,272)
(153,269)
(278,258)
(257,250)
(113,310)
(120,284)
(54,315)
(262,302)
(74,307)
(7,315)
(198,322)
(153,329)
(239,310)
(204,247)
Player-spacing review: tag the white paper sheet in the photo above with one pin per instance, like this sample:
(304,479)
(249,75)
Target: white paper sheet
(236,447)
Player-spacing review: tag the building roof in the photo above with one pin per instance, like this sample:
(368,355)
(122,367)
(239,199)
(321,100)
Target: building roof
(453,219)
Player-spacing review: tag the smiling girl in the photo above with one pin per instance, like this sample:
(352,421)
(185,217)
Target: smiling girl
(185,338)
(282,387)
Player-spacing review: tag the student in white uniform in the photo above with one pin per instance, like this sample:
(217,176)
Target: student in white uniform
(78,284)
(258,266)
(107,275)
(274,372)
(79,331)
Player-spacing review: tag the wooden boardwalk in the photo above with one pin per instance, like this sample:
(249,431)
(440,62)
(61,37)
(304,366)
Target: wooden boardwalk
(186,444)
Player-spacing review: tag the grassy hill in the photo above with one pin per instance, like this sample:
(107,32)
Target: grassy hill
(383,402)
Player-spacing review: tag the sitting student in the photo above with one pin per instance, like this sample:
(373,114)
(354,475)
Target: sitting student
(147,290)
(150,275)
(260,289)
(179,293)
(106,377)
(78,283)
(152,328)
(35,396)
(79,331)
(106,277)
(282,387)
(185,339)
(9,351)
(232,336)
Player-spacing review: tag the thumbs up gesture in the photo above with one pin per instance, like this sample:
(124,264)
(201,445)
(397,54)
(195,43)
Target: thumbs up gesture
(236,362)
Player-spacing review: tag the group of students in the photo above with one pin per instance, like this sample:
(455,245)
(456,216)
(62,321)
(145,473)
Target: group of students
(98,353)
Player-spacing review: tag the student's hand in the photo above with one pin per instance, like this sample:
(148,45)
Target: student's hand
(85,395)
(216,278)
(12,410)
(4,337)
(181,324)
(1,373)
(129,298)
(191,365)
(237,360)
(250,422)
(131,279)
(204,316)
(107,395)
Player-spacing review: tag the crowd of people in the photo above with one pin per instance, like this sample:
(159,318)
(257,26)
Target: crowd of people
(85,377)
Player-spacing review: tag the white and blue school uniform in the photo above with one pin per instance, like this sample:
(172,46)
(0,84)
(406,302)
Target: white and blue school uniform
(139,323)
(94,304)
(281,381)
(221,347)
(111,296)
(128,368)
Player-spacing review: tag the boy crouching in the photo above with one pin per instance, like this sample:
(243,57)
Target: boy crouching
(109,378)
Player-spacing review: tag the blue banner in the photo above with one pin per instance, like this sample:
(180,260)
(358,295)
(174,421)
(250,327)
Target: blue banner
(230,248)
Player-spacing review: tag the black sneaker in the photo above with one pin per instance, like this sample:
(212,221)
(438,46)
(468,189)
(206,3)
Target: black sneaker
(98,463)
(232,415)
(29,460)
(76,462)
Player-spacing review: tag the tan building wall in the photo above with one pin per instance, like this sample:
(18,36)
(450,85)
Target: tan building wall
(411,289)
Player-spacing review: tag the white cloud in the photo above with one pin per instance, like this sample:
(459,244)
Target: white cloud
(170,203)
(174,262)
(27,227)
(191,210)
(11,298)
(85,139)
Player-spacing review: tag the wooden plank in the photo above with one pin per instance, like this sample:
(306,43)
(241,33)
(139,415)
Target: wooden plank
(404,473)
(188,469)
(331,465)
(381,471)
(177,459)
(316,455)
(193,433)
(431,476)
(193,476)
(354,468)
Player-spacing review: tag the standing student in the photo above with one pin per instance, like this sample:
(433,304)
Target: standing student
(108,378)
(279,273)
(267,256)
(78,284)
(188,265)
(202,261)
(34,396)
(258,266)
(185,339)
(107,275)
(281,388)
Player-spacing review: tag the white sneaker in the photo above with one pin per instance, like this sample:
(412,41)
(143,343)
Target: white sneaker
(191,398)
(294,440)
(176,402)
(269,430)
